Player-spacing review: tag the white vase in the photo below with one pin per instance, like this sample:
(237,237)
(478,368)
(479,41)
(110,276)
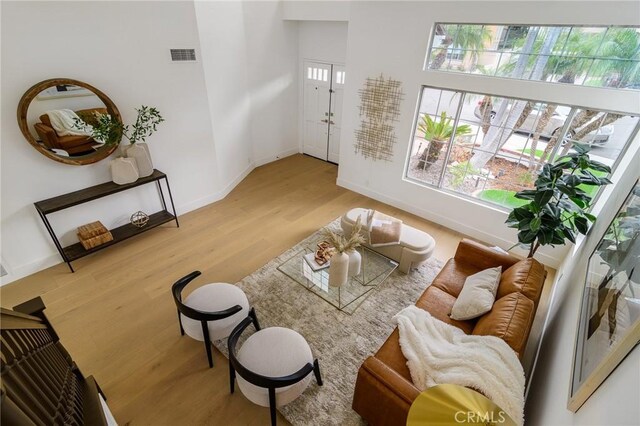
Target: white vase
(339,270)
(355,262)
(140,151)
(124,170)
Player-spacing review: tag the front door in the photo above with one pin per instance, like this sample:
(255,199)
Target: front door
(322,94)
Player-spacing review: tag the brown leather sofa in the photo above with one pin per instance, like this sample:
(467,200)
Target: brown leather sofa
(384,390)
(73,144)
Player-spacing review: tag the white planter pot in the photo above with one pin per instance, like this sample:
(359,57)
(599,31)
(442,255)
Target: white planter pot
(339,270)
(140,152)
(124,170)
(355,262)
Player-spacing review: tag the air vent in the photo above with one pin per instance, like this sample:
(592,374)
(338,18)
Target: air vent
(183,55)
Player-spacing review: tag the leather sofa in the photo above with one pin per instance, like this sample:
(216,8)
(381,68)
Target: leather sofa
(384,391)
(73,144)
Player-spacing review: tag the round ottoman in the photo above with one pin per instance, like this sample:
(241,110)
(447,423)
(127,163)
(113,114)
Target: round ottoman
(274,352)
(213,298)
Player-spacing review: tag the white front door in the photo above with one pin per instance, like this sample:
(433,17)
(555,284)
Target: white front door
(335,112)
(317,86)
(322,94)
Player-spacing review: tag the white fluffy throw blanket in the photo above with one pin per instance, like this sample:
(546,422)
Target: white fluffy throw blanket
(64,123)
(439,353)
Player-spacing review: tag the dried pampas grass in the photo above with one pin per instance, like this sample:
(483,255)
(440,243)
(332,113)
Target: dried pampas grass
(343,244)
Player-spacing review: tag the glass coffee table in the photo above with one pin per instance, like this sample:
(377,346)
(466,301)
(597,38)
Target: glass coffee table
(375,269)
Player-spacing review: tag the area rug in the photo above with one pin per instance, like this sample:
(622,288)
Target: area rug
(340,341)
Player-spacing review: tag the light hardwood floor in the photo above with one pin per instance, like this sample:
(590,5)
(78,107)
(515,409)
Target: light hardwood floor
(116,316)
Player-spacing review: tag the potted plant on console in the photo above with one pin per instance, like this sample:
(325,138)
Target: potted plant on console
(138,158)
(145,125)
(558,206)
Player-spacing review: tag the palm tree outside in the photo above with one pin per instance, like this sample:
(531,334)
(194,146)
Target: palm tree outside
(469,39)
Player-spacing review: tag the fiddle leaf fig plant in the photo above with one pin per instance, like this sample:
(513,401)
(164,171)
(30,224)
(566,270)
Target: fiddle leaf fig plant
(558,206)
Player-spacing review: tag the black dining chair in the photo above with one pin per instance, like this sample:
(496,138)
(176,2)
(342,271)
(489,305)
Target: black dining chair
(210,312)
(273,365)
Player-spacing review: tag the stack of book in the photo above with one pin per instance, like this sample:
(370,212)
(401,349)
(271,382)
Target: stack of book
(310,258)
(93,234)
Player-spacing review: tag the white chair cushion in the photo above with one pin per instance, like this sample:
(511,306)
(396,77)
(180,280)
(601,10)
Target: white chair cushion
(212,298)
(274,352)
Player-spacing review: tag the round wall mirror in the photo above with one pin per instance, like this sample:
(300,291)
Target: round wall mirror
(56,117)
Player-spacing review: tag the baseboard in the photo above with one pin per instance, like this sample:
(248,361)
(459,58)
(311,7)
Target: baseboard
(227,189)
(270,158)
(22,271)
(443,220)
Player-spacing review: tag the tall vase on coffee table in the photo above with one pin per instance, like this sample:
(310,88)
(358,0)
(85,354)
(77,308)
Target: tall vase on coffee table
(355,262)
(140,152)
(339,270)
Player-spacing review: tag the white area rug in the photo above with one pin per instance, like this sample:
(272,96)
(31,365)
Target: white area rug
(340,341)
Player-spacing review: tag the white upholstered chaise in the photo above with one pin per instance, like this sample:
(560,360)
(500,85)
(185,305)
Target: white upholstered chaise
(415,246)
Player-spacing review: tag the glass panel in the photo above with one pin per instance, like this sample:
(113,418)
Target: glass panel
(500,144)
(595,56)
(434,129)
(610,307)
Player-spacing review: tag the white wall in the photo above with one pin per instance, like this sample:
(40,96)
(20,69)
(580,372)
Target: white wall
(616,401)
(392,38)
(323,41)
(249,57)
(122,49)
(303,10)
(225,114)
(224,59)
(272,52)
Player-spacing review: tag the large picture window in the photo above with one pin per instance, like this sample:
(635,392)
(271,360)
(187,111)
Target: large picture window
(590,56)
(490,147)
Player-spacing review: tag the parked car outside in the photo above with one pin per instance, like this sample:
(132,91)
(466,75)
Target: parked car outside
(597,137)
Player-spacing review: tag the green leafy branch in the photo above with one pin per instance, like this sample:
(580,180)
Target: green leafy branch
(146,124)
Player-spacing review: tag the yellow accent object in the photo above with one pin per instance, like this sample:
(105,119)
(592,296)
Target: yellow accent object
(455,405)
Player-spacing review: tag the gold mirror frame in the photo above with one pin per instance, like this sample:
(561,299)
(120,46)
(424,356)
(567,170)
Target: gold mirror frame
(34,90)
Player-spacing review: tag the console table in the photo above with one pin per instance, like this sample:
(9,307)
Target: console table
(121,233)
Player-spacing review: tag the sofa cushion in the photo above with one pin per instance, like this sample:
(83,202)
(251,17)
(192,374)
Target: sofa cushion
(452,276)
(526,277)
(439,304)
(477,295)
(510,319)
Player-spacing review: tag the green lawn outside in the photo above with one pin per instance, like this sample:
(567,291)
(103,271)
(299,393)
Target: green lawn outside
(501,197)
(507,199)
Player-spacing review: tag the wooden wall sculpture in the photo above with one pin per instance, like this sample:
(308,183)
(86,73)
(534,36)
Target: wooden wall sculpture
(379,108)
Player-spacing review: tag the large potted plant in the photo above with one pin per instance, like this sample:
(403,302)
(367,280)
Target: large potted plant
(437,133)
(558,207)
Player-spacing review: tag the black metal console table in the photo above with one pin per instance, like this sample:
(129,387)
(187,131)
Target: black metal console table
(121,233)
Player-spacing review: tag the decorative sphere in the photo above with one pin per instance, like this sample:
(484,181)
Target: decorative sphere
(139,219)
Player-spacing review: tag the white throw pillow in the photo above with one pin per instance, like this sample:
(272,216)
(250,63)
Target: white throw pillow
(477,295)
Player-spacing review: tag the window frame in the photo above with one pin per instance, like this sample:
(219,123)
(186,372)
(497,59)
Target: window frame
(439,187)
(436,23)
